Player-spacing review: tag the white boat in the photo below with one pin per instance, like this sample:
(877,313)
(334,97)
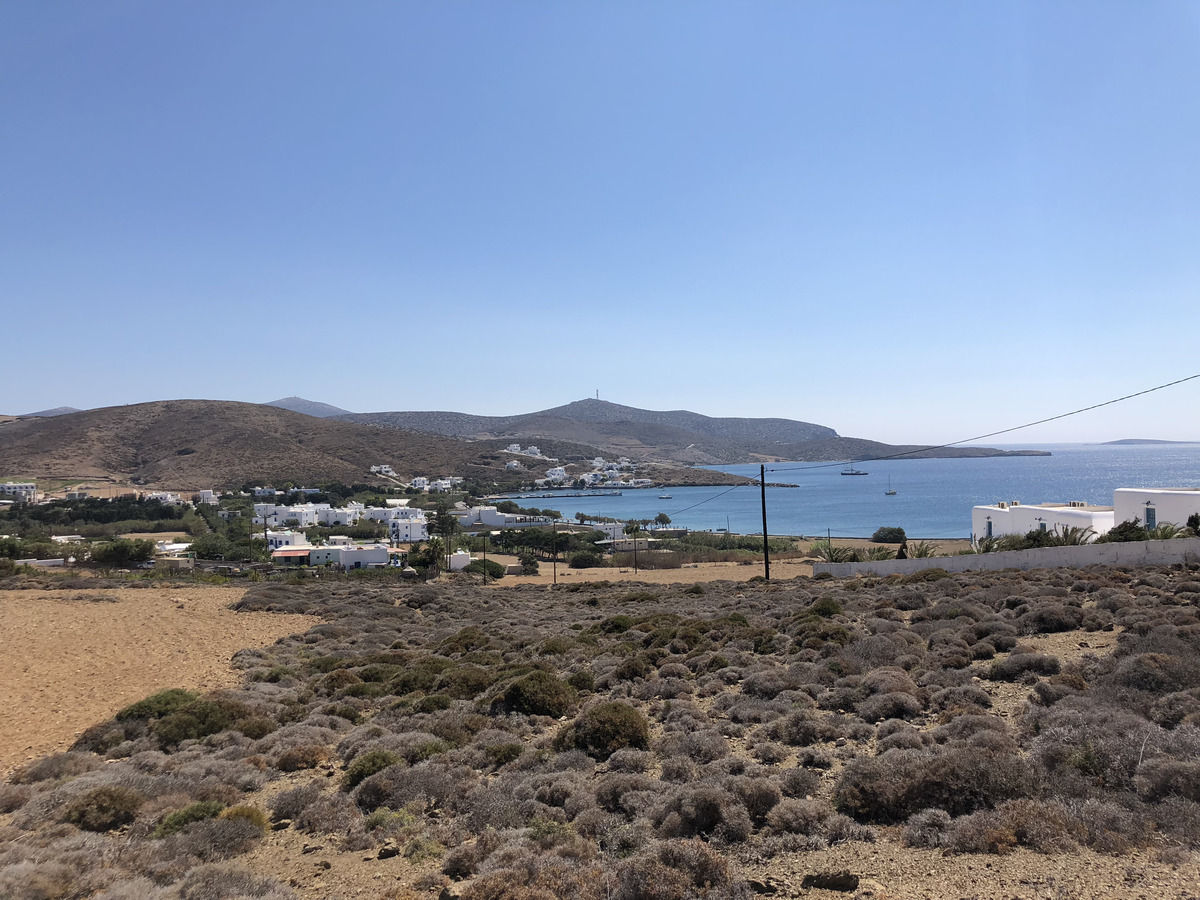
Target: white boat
(664,496)
(889,492)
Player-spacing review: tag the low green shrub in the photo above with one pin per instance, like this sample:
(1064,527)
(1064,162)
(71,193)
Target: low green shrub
(157,705)
(175,822)
(605,728)
(367,765)
(538,694)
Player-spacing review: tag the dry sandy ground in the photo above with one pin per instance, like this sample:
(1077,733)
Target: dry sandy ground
(72,658)
(691,573)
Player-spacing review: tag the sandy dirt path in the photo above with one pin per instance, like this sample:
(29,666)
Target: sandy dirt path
(69,659)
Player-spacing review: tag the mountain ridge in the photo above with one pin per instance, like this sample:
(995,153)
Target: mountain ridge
(674,437)
(313,408)
(194,444)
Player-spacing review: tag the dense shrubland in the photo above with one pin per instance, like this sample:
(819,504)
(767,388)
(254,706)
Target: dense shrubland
(608,740)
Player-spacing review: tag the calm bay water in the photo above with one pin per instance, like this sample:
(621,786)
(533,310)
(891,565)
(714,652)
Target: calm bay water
(933,496)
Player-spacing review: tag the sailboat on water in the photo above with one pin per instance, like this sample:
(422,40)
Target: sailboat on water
(890,492)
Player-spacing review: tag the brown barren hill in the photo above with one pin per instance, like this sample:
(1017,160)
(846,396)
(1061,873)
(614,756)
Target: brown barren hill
(193,444)
(197,443)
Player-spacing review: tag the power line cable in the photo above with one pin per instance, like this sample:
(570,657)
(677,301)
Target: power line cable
(753,482)
(992,434)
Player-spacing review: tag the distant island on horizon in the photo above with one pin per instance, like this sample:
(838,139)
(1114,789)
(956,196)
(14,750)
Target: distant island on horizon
(1132,441)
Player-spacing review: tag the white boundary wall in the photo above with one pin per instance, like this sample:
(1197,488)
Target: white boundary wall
(1132,553)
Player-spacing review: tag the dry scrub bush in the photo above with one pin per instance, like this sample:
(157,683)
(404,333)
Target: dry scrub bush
(57,767)
(891,787)
(1114,735)
(219,881)
(603,729)
(703,811)
(792,816)
(104,808)
(1045,827)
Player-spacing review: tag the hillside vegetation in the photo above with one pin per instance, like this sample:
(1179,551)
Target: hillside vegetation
(676,742)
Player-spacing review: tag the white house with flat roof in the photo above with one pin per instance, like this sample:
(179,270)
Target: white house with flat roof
(20,492)
(166,498)
(334,515)
(1156,506)
(408,530)
(490,517)
(1015,517)
(279,539)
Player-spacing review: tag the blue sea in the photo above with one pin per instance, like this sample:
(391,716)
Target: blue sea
(933,496)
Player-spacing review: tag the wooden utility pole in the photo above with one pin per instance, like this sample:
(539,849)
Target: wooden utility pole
(762,478)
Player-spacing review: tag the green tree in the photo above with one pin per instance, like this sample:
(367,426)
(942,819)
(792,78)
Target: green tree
(1126,531)
(662,519)
(212,546)
(121,553)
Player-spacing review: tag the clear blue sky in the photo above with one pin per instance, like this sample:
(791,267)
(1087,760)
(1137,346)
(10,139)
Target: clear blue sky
(909,221)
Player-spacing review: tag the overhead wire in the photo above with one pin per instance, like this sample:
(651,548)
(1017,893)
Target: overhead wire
(754,482)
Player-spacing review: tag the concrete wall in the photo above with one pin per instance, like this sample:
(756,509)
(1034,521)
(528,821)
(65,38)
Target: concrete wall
(1134,553)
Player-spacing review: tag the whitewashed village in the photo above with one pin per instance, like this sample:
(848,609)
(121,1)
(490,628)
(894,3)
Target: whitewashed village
(286,528)
(296,531)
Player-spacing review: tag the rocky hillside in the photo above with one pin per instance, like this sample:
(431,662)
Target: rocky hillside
(676,437)
(192,444)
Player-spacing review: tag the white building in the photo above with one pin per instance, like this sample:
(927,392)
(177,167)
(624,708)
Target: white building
(1002,518)
(557,473)
(166,498)
(408,530)
(208,497)
(333,515)
(420,483)
(365,557)
(459,560)
(513,466)
(265,492)
(1149,506)
(490,517)
(442,484)
(513,448)
(1156,506)
(532,450)
(279,539)
(383,470)
(20,492)
(303,515)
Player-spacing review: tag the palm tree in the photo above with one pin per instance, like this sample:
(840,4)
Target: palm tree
(826,552)
(1165,532)
(1074,536)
